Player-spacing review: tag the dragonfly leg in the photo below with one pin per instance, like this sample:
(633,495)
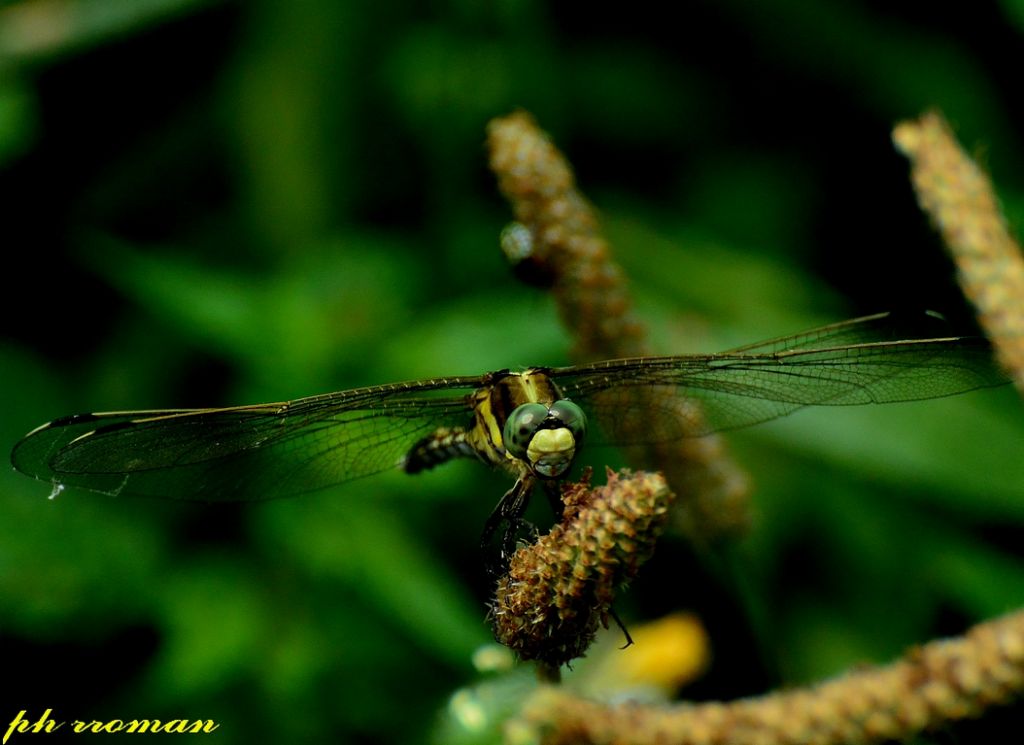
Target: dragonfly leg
(508,512)
(622,626)
(553,490)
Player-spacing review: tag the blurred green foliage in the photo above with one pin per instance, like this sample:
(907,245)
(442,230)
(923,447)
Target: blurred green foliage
(220,202)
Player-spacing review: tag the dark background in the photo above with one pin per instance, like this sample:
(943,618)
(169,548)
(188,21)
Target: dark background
(208,203)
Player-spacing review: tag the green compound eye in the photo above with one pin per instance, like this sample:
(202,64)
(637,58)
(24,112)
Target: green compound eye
(520,427)
(572,418)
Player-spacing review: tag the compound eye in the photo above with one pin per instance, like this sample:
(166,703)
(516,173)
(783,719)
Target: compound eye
(520,427)
(572,418)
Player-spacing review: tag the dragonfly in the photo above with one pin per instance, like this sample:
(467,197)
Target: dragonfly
(533,424)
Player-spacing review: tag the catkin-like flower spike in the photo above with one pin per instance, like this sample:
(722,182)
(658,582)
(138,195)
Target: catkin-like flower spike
(560,589)
(961,202)
(931,687)
(564,240)
(556,243)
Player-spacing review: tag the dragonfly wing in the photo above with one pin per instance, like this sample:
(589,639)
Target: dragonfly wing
(891,326)
(244,453)
(667,398)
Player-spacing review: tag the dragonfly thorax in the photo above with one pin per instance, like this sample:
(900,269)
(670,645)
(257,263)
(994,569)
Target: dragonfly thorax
(522,422)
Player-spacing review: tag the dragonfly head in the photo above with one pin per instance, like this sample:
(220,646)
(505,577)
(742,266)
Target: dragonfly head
(546,438)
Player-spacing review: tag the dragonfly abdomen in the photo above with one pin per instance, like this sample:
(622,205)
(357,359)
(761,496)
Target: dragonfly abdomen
(440,446)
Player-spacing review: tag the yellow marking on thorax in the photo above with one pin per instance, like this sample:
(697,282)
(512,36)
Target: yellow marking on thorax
(486,436)
(493,404)
(537,388)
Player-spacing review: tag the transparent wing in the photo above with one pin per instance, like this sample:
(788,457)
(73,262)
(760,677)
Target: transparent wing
(254,452)
(659,399)
(247,452)
(894,326)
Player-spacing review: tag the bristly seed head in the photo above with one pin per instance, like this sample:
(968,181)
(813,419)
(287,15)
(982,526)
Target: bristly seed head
(556,592)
